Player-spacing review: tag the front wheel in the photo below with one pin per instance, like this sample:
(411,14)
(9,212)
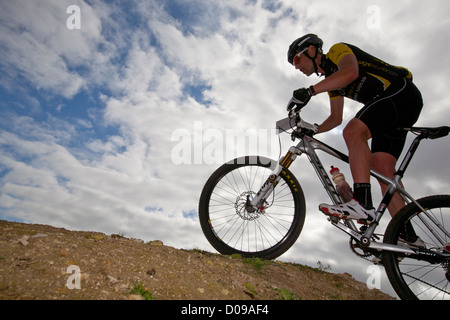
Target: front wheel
(425,275)
(232,229)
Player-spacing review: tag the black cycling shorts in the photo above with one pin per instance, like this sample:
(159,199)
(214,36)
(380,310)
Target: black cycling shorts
(397,107)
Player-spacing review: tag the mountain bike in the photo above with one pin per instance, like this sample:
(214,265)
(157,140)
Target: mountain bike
(255,207)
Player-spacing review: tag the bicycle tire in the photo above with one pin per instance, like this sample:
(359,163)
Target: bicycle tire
(414,279)
(231,230)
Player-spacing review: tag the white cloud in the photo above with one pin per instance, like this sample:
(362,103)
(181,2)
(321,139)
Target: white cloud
(37,45)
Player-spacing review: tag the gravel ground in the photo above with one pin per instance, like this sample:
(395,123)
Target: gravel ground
(39,262)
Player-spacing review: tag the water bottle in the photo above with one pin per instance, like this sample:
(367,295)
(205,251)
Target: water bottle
(341,185)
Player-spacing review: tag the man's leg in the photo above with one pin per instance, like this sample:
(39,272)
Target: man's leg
(356,135)
(384,163)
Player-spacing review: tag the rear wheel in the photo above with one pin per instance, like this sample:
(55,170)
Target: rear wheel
(423,275)
(231,228)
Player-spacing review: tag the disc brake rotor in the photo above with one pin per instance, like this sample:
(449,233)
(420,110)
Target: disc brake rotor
(243,210)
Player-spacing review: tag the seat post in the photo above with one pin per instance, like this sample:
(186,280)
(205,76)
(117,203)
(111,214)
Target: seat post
(409,155)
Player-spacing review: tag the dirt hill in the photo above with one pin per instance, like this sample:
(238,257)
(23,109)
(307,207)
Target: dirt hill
(42,262)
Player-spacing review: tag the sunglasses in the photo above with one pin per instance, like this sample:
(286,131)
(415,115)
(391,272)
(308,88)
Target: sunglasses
(297,57)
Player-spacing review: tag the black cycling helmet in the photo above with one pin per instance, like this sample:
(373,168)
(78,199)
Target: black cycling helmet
(303,43)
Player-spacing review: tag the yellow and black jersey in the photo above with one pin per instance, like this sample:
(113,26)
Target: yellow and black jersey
(375,75)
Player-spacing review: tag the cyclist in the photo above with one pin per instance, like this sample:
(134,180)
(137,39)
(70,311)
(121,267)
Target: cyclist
(390,99)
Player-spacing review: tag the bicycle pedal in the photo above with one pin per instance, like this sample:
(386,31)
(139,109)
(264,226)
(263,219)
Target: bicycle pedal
(333,219)
(377,261)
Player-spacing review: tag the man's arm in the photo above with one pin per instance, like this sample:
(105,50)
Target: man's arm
(348,71)
(336,115)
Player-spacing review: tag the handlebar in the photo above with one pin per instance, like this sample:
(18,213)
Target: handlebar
(293,123)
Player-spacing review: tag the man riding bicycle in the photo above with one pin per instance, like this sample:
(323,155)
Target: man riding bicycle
(390,99)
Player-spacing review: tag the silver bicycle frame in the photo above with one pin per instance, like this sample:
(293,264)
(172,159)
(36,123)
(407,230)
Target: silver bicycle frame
(308,146)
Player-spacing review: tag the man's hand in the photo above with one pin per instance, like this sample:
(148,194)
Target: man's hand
(300,98)
(308,128)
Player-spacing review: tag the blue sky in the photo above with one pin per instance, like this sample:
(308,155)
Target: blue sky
(89,115)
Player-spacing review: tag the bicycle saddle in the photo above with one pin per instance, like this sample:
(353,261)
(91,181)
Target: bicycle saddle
(430,133)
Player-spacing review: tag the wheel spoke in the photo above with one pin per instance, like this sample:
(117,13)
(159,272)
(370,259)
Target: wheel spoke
(231,227)
(420,278)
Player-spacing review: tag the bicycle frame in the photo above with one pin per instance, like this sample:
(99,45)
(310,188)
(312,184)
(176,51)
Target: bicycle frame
(308,145)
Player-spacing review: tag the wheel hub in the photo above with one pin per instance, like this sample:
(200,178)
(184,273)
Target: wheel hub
(244,209)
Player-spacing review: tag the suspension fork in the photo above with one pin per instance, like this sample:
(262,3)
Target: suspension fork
(257,203)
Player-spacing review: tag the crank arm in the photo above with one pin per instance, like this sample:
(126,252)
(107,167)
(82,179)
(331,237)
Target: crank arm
(391,247)
(415,253)
(418,253)
(352,233)
(376,245)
